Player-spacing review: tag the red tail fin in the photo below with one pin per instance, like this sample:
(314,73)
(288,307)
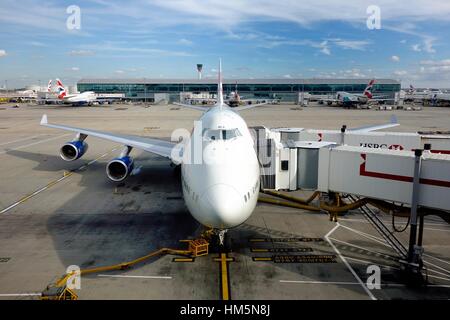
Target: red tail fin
(368,90)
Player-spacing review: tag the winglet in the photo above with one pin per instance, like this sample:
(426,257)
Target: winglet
(44,120)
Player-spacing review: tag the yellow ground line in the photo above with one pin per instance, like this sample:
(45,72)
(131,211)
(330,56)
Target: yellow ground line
(183,259)
(257,240)
(225,291)
(66,174)
(262,259)
(259,250)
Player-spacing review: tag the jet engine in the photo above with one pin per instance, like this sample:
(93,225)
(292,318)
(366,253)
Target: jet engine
(120,168)
(73,150)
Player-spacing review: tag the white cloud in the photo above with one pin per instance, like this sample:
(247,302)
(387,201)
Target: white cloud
(81,53)
(395,58)
(400,73)
(445,62)
(403,41)
(37,44)
(74,69)
(185,42)
(416,47)
(351,44)
(119,72)
(233,12)
(428,45)
(121,47)
(2,53)
(287,76)
(437,67)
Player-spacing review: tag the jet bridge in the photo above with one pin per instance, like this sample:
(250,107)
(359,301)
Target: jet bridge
(384,169)
(295,158)
(385,175)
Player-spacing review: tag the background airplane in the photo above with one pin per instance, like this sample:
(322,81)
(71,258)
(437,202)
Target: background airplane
(347,99)
(85,98)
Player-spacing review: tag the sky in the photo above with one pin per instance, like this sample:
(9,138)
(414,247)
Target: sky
(42,40)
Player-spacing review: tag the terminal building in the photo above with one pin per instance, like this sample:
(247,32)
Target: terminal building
(284,90)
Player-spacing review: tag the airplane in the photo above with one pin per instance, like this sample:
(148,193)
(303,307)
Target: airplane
(87,97)
(234,99)
(220,171)
(347,99)
(425,94)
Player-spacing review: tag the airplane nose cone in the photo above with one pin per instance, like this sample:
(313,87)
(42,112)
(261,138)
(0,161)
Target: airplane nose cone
(226,205)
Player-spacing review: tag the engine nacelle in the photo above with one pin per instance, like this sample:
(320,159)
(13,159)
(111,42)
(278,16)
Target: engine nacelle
(73,150)
(119,168)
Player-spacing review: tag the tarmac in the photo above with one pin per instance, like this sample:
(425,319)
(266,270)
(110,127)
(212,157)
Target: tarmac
(54,214)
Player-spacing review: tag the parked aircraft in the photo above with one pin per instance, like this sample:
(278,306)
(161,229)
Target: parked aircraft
(220,172)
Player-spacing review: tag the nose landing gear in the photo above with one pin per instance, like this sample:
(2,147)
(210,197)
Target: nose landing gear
(221,234)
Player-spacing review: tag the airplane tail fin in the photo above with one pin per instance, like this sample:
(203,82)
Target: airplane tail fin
(368,90)
(219,85)
(61,89)
(49,86)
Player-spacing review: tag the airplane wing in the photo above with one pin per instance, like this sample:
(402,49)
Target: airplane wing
(249,106)
(191,106)
(393,123)
(157,146)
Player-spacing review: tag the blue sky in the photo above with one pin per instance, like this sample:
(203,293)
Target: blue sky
(255,39)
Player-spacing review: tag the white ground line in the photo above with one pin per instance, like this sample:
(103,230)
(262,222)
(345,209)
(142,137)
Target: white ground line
(382,254)
(396,268)
(436,266)
(385,244)
(20,294)
(339,282)
(433,229)
(346,263)
(362,248)
(366,235)
(34,143)
(357,283)
(441,278)
(18,140)
(369,262)
(52,183)
(139,277)
(31,195)
(385,221)
(320,282)
(436,258)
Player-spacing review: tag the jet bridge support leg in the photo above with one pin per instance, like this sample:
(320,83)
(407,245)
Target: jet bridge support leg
(413,265)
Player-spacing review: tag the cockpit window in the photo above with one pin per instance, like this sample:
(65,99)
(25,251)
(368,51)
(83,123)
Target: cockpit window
(212,134)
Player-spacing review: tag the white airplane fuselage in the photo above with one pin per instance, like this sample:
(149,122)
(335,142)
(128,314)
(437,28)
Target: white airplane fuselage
(221,186)
(85,97)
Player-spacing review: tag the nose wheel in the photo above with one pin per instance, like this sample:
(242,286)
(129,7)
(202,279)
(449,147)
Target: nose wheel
(221,235)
